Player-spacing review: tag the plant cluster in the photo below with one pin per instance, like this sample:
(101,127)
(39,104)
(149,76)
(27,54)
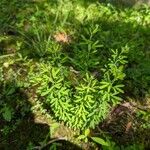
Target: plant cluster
(80,57)
(13,107)
(85,103)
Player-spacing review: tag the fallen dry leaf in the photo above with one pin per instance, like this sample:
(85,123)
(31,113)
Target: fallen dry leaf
(128,105)
(62,37)
(128,126)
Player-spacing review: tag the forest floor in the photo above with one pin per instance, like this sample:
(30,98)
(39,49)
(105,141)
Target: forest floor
(78,36)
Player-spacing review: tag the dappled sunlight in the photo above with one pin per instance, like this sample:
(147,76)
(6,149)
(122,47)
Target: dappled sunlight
(74,74)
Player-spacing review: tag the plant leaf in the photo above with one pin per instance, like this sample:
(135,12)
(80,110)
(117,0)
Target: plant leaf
(7,114)
(100,141)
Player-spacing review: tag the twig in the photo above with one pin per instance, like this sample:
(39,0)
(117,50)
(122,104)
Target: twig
(144,108)
(8,55)
(50,142)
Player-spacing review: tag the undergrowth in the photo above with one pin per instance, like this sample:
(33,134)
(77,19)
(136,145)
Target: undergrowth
(80,59)
(85,103)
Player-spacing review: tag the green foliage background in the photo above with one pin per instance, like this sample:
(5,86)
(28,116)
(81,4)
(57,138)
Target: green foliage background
(105,61)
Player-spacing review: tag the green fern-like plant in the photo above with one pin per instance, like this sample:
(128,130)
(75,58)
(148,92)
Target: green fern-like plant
(87,50)
(86,103)
(111,86)
(54,87)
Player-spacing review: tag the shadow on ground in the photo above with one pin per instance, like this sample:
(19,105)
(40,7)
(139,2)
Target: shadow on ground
(115,34)
(124,126)
(19,130)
